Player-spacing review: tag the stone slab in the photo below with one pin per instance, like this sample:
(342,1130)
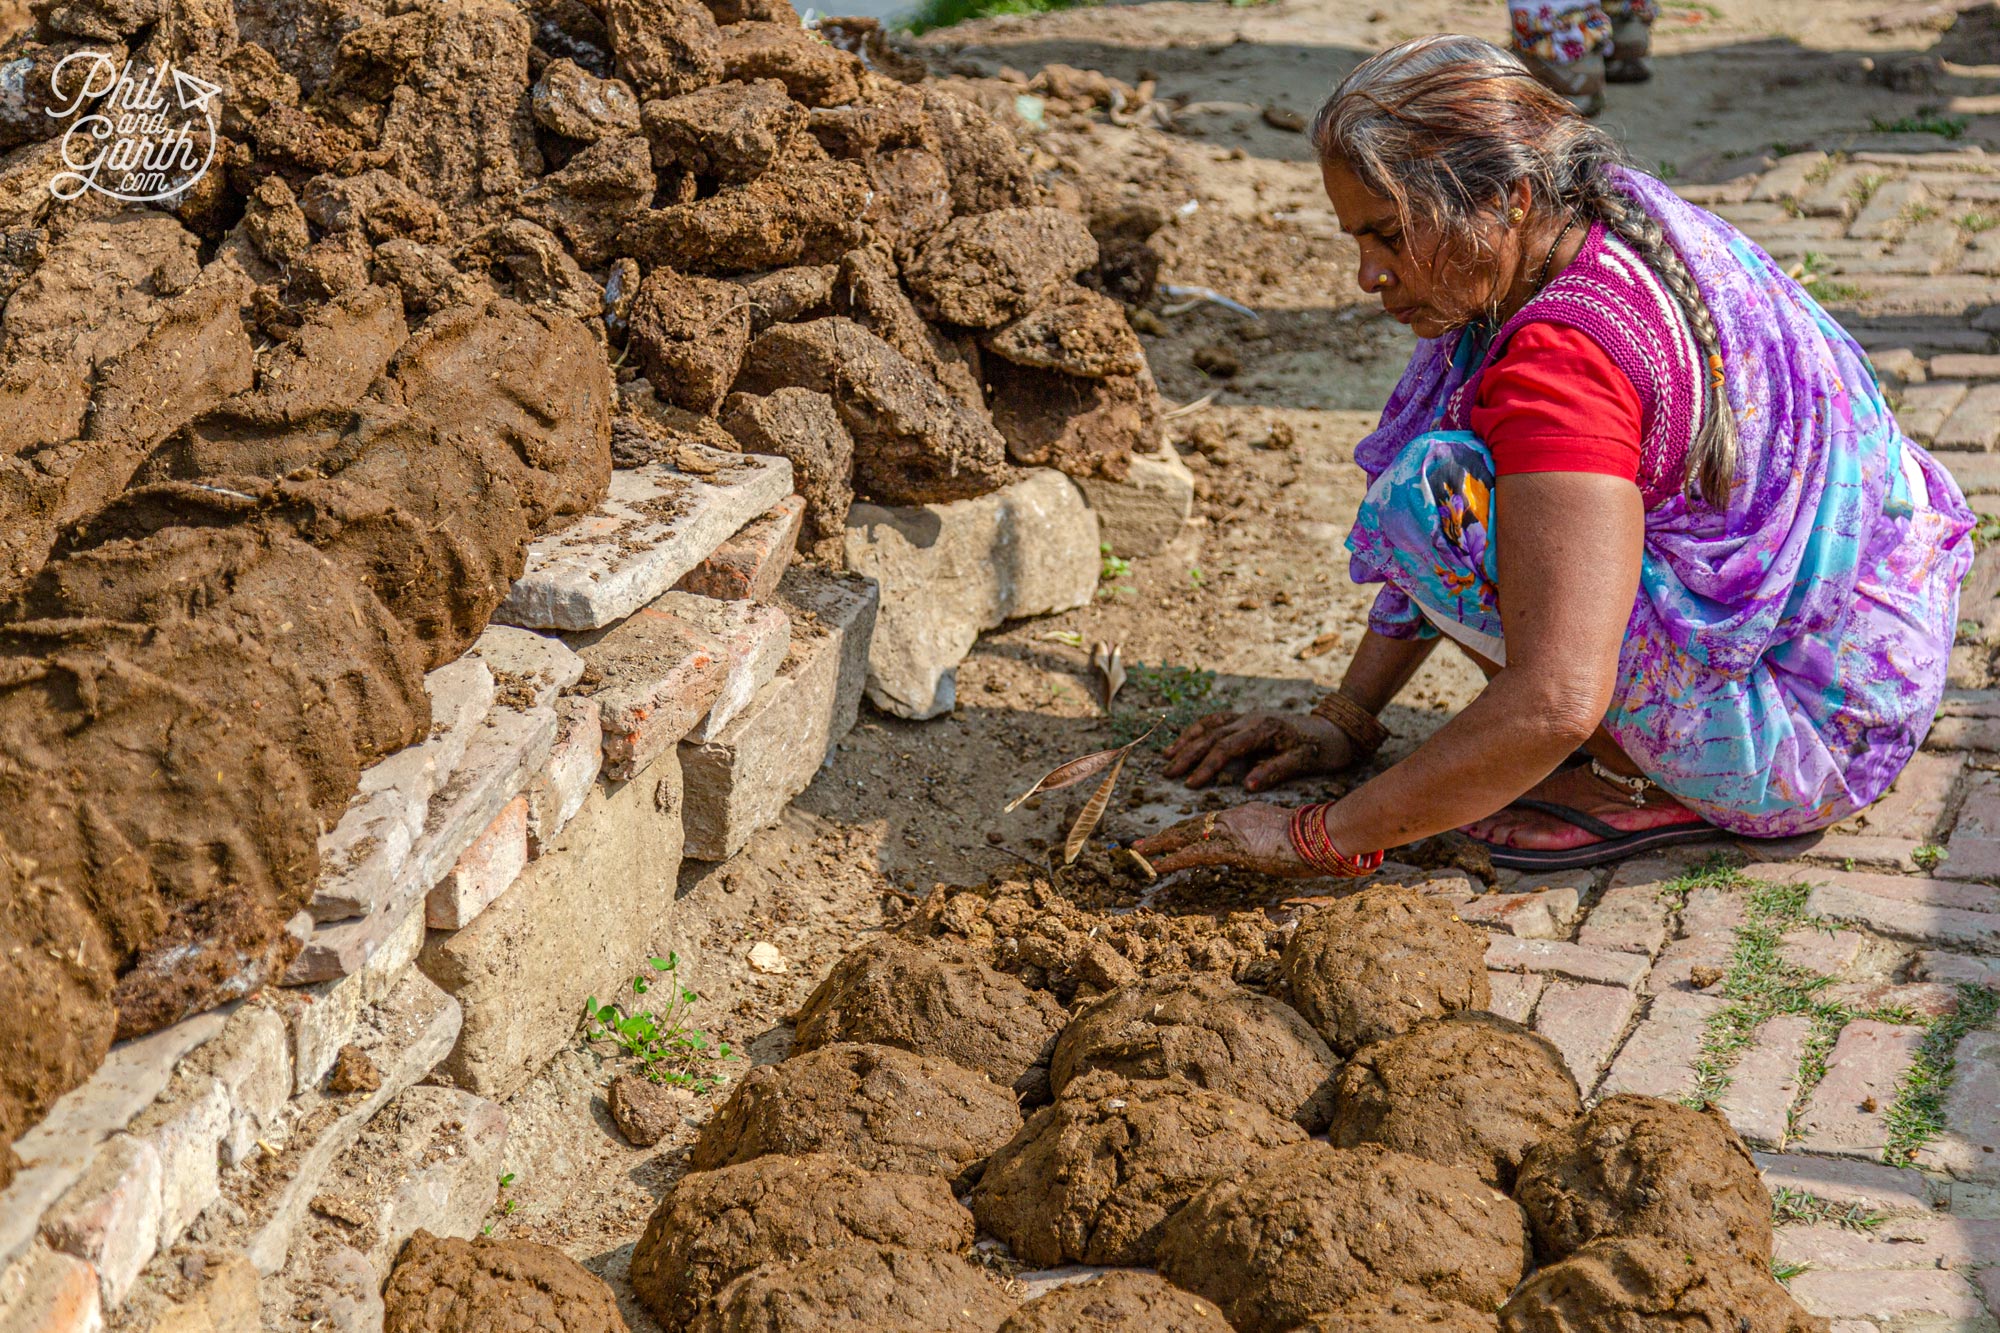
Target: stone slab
(655,524)
(949,571)
(1515,994)
(362,857)
(1530,916)
(1917,890)
(1847,1114)
(1764,1081)
(1142,514)
(483,871)
(1974,423)
(579,921)
(754,640)
(45,1291)
(1791,177)
(1893,1191)
(1955,969)
(1925,1296)
(1918,923)
(1914,807)
(1969,1148)
(529,669)
(1937,1241)
(252,1060)
(654,676)
(406,1036)
(461,694)
(750,563)
(741,781)
(55,1153)
(110,1218)
(575,760)
(1586,1023)
(1974,845)
(1628,918)
(1574,961)
(1658,1058)
(322,1017)
(185,1128)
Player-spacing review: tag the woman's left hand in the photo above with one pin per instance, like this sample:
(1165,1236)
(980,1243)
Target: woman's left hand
(1256,837)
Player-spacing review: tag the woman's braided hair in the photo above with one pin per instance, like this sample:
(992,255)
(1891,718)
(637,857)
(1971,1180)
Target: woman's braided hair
(1447,127)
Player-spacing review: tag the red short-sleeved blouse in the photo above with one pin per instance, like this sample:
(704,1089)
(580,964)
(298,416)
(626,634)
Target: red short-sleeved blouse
(1555,402)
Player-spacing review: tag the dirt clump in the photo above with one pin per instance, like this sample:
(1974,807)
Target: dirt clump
(882,1288)
(1637,1285)
(644,1111)
(730,133)
(894,994)
(1371,966)
(987,270)
(717,1225)
(1093,1178)
(1472,1090)
(1312,1228)
(689,335)
(1115,1303)
(1030,930)
(800,211)
(1404,1312)
(354,1071)
(1082,426)
(664,47)
(812,71)
(805,427)
(1643,1167)
(472,1286)
(1211,1033)
(1080,333)
(881,1108)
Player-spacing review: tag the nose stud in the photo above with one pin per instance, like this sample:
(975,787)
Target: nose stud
(1381,281)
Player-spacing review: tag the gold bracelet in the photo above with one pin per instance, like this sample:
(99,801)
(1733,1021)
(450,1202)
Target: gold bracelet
(1360,725)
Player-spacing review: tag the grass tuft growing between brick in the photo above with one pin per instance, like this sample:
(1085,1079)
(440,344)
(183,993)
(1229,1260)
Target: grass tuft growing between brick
(1916,1117)
(1799,1208)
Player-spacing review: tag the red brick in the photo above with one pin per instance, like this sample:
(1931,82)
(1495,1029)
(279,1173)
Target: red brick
(1765,1080)
(1514,995)
(47,1292)
(483,871)
(1847,1114)
(1586,1023)
(750,563)
(1555,957)
(1926,1295)
(1658,1059)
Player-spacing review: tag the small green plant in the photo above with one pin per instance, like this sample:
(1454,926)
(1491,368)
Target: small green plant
(668,1050)
(1929,857)
(1837,291)
(1790,1207)
(1916,1117)
(1977,222)
(504,1205)
(1968,631)
(1920,212)
(935,14)
(1926,121)
(1986,529)
(1785,1270)
(1196,578)
(1112,566)
(1170,698)
(1864,188)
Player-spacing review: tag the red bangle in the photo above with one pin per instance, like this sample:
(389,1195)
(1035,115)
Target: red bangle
(1316,849)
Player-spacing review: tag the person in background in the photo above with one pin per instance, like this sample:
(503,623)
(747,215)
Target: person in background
(1577,46)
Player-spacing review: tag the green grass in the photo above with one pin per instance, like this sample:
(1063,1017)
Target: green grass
(1916,1117)
(1790,1207)
(1977,222)
(934,14)
(1837,291)
(1986,529)
(1785,1272)
(1929,857)
(1170,698)
(1924,122)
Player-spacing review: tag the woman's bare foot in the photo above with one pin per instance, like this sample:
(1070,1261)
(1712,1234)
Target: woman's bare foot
(1579,789)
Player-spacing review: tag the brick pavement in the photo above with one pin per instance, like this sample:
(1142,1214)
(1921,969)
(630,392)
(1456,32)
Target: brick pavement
(1897,908)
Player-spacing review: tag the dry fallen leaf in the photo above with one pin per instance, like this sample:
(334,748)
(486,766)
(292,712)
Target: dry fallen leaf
(1078,770)
(1093,811)
(1321,646)
(1109,662)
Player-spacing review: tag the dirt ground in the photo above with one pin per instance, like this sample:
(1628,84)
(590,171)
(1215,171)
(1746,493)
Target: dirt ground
(1255,590)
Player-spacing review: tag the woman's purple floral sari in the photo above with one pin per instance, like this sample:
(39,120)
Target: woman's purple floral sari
(1786,655)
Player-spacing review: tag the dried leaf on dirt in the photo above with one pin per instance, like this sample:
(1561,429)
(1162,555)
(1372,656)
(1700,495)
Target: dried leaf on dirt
(1093,811)
(1109,662)
(1321,646)
(1077,770)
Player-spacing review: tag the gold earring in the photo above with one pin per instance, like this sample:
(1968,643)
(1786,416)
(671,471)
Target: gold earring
(1516,215)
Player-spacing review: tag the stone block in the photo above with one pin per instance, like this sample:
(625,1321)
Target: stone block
(754,640)
(1899,919)
(322,1017)
(654,676)
(1938,1241)
(1673,971)
(1896,855)
(1965,733)
(1889,209)
(227,1300)
(45,1291)
(1515,994)
(529,669)
(1893,1191)
(655,524)
(111,1217)
(1528,916)
(461,695)
(406,1035)
(1628,918)
(1914,806)
(1969,1148)
(749,564)
(1827,952)
(1974,845)
(185,1128)
(1847,1114)
(252,1060)
(483,871)
(1586,1023)
(1925,1297)
(742,780)
(575,760)
(1791,178)
(1764,1081)
(55,1153)
(1835,195)
(579,921)
(1966,366)
(1574,961)
(1142,514)
(1974,423)
(361,857)
(1658,1058)
(1898,365)
(1927,1000)
(1918,889)
(948,571)
(1976,474)
(1955,969)
(432,1159)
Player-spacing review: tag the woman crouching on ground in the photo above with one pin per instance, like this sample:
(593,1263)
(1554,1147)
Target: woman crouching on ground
(1635,472)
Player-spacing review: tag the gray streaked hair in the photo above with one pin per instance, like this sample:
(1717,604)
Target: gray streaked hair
(1446,127)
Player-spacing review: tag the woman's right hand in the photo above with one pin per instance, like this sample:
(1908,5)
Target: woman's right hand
(1294,745)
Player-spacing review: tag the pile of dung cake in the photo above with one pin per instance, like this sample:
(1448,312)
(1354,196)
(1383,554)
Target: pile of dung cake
(1358,1145)
(277,443)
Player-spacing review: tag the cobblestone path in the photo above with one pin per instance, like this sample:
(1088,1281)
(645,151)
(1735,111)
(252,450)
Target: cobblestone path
(1835,996)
